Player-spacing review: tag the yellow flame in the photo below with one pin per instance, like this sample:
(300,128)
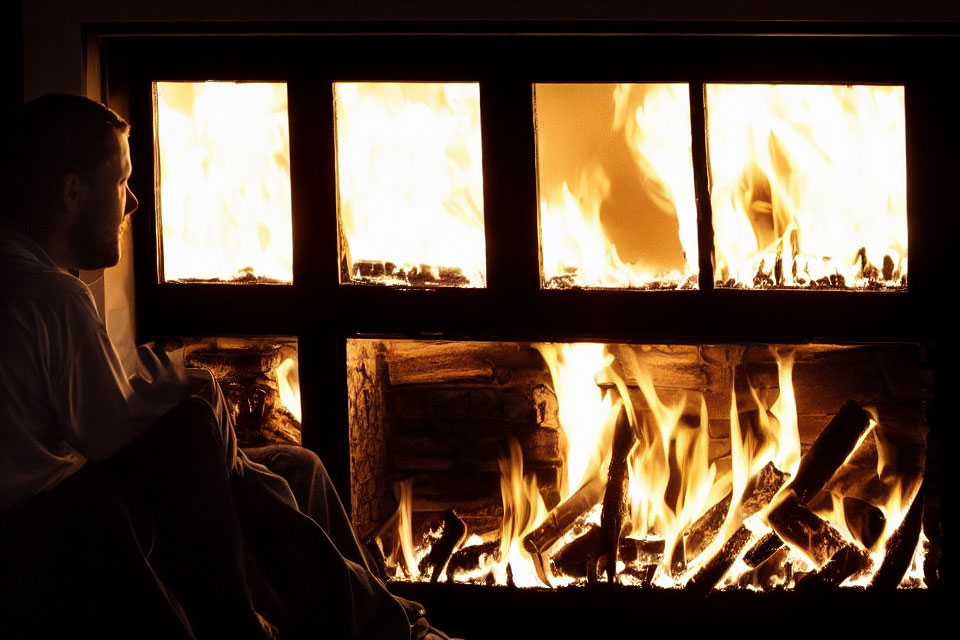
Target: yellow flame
(809,175)
(288,386)
(583,408)
(576,249)
(670,475)
(224,204)
(409,176)
(658,135)
(523,509)
(408,554)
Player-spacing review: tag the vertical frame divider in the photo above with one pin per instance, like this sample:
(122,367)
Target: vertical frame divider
(510,189)
(701,171)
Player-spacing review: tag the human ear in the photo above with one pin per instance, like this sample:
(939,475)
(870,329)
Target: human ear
(74,192)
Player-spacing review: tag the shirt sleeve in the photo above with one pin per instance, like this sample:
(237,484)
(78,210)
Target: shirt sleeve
(104,408)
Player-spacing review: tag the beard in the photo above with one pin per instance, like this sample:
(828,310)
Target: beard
(95,241)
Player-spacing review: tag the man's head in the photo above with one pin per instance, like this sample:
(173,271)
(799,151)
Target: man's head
(70,165)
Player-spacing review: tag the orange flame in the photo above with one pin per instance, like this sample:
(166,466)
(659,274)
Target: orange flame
(224,203)
(576,248)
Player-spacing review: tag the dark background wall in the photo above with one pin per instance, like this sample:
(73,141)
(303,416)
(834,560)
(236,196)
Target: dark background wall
(53,45)
(12,54)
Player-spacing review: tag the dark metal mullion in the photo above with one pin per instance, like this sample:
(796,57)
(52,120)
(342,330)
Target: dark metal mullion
(701,173)
(509,189)
(318,294)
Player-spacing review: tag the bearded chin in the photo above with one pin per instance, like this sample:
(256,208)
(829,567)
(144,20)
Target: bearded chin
(94,247)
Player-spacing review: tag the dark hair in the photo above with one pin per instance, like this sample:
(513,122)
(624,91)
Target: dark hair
(52,136)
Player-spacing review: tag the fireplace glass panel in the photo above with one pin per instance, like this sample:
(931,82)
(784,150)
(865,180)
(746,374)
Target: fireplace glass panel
(615,177)
(808,185)
(502,454)
(410,184)
(223,203)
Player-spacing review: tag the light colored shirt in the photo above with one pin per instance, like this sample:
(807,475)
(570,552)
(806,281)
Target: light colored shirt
(64,396)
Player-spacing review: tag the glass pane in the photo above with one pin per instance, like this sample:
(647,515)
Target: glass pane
(410,183)
(615,174)
(224,203)
(808,185)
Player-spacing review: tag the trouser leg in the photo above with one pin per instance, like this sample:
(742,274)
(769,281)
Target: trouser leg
(180,469)
(71,565)
(325,592)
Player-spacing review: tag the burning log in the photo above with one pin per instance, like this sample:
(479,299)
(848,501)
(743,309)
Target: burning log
(900,547)
(702,532)
(614,496)
(712,572)
(759,492)
(800,527)
(453,533)
(763,550)
(579,558)
(467,559)
(848,561)
(837,440)
(558,521)
(865,521)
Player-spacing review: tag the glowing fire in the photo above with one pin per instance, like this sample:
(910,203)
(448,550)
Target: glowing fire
(630,177)
(224,203)
(808,185)
(683,510)
(288,387)
(410,183)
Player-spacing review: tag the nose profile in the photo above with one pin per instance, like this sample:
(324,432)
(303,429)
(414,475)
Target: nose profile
(132,203)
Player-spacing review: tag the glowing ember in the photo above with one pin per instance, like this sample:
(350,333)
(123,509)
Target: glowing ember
(617,205)
(808,185)
(224,203)
(410,183)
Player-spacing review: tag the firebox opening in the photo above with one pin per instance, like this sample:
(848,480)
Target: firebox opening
(677,466)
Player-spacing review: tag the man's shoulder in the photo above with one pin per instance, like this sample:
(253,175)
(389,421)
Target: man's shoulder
(26,283)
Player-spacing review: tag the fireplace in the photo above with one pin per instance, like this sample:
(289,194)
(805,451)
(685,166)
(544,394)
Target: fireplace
(359,316)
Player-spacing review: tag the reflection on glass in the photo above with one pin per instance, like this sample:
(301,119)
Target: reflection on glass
(615,174)
(410,183)
(808,185)
(224,175)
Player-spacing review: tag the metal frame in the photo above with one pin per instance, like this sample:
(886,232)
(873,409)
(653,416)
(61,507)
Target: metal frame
(323,314)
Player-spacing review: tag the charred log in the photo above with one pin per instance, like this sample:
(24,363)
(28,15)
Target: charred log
(581,556)
(760,490)
(848,561)
(558,521)
(453,533)
(712,572)
(762,551)
(829,450)
(469,559)
(614,496)
(803,529)
(702,532)
(900,547)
